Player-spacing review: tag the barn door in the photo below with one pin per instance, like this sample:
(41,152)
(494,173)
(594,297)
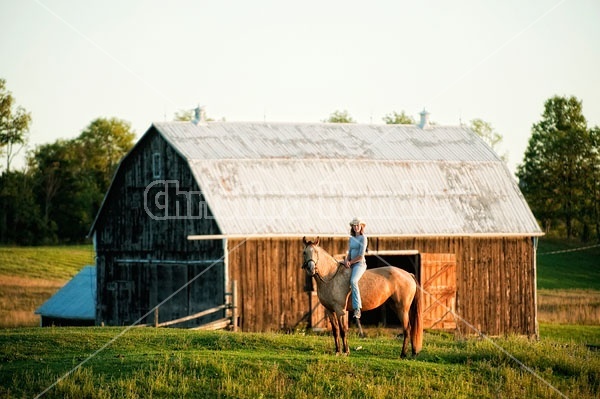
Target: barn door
(438,279)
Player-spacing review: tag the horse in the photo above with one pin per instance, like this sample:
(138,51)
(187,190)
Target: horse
(376,287)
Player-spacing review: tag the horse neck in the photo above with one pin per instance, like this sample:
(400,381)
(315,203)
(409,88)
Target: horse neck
(327,264)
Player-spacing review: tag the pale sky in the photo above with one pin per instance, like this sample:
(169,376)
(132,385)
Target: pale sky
(70,62)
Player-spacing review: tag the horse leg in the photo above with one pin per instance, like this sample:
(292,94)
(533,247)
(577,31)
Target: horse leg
(343,322)
(402,314)
(335,330)
(405,332)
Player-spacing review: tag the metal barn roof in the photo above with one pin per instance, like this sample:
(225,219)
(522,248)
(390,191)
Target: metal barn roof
(255,140)
(76,300)
(290,179)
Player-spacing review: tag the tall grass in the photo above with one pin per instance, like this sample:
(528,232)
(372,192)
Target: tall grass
(569,306)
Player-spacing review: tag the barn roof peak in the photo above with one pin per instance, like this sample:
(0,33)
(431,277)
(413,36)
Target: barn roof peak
(268,140)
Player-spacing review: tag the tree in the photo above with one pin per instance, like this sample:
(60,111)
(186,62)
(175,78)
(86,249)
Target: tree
(55,167)
(20,221)
(485,130)
(591,200)
(14,125)
(339,117)
(72,177)
(103,143)
(398,119)
(554,173)
(185,115)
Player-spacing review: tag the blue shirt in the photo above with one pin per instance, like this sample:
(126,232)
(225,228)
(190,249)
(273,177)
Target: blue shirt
(357,246)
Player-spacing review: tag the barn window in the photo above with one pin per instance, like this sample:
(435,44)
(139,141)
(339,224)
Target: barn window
(156,167)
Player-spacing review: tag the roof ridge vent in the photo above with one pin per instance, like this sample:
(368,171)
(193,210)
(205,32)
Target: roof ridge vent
(199,115)
(424,122)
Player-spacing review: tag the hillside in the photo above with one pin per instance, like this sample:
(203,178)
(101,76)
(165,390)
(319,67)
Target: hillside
(31,275)
(561,266)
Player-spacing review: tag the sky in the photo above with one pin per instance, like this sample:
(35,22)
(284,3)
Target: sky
(69,62)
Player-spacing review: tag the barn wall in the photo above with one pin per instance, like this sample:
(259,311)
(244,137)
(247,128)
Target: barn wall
(143,255)
(272,287)
(495,280)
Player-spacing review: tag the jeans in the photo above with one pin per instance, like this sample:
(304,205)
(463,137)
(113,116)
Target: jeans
(358,269)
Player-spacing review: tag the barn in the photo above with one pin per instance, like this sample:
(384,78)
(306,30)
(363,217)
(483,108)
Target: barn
(196,206)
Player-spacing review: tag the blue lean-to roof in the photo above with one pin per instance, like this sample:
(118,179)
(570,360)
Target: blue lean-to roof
(262,178)
(76,300)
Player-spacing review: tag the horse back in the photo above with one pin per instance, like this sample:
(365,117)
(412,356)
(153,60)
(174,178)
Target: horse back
(391,273)
(379,284)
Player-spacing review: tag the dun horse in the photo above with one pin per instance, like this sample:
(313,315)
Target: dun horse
(376,287)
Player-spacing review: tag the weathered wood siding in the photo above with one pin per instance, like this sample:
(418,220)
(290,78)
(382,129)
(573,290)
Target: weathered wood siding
(143,255)
(495,280)
(272,287)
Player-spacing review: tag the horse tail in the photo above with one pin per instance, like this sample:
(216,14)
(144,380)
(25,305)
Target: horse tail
(416,318)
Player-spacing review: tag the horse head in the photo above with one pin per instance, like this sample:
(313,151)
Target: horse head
(310,255)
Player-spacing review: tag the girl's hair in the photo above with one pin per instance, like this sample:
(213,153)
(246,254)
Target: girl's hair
(362,230)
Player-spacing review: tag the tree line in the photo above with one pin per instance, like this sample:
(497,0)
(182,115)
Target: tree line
(56,197)
(560,172)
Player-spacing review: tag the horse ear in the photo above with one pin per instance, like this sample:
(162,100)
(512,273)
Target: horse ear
(304,240)
(317,241)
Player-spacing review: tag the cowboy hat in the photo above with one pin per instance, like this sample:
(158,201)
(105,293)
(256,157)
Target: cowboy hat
(357,221)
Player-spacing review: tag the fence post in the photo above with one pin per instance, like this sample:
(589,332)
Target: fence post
(234,305)
(156,317)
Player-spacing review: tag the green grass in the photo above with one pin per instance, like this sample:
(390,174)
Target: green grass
(48,263)
(588,335)
(568,270)
(166,363)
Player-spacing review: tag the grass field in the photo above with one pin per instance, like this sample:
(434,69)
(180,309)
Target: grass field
(31,275)
(47,263)
(181,363)
(567,270)
(169,363)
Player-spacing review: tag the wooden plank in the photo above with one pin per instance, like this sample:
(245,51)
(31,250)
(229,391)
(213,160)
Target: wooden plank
(214,325)
(193,316)
(234,305)
(251,301)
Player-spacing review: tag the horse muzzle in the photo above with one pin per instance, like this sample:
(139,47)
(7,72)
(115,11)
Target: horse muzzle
(310,267)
